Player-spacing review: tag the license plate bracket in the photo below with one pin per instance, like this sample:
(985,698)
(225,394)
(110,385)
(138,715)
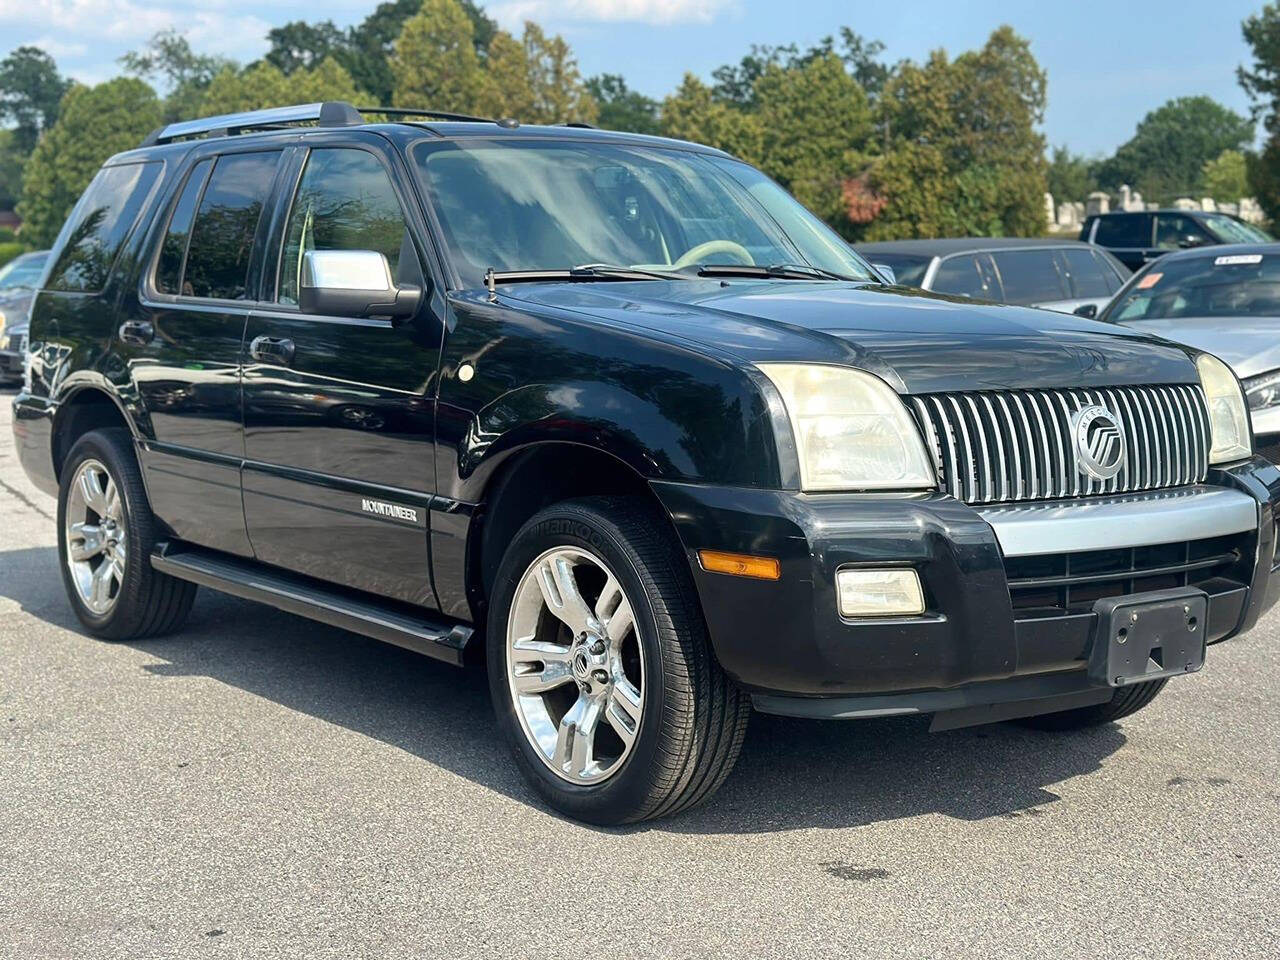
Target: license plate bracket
(1147,636)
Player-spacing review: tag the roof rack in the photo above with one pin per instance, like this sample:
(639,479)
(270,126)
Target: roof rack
(439,114)
(332,113)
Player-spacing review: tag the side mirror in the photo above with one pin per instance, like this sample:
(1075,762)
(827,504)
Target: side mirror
(1089,311)
(885,271)
(1189,241)
(354,283)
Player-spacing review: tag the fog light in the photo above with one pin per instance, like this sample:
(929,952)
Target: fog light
(879,593)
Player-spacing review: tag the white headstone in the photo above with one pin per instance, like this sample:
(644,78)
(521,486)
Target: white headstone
(1251,210)
(1185,203)
(1207,204)
(1098,202)
(1048,209)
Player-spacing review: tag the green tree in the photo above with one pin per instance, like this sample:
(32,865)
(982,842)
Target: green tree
(434,63)
(963,156)
(93,124)
(1164,157)
(1262,83)
(507,90)
(263,85)
(31,90)
(815,131)
(693,113)
(1225,177)
(186,74)
(1070,176)
(622,108)
(559,95)
(11,162)
(299,45)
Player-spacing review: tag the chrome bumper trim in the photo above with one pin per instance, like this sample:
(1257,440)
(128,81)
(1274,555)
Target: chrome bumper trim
(1134,520)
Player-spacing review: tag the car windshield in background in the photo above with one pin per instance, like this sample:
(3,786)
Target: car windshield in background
(1224,285)
(1230,230)
(527,205)
(908,269)
(22,271)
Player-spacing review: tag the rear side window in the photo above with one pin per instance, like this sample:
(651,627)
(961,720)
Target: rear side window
(1087,276)
(960,277)
(225,225)
(173,251)
(1030,276)
(99,225)
(1124,230)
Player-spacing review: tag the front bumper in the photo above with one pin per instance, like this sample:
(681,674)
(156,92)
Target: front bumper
(10,366)
(975,645)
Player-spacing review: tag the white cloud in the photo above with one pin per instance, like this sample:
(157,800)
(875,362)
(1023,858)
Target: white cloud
(514,12)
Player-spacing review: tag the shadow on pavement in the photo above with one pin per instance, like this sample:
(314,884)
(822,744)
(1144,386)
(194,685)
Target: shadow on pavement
(792,774)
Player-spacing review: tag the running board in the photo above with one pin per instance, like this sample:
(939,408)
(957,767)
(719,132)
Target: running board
(307,598)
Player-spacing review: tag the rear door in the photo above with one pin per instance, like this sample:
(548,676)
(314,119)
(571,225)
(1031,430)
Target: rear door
(183,344)
(338,410)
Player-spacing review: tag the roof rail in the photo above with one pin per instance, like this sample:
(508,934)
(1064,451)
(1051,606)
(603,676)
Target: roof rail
(332,113)
(439,114)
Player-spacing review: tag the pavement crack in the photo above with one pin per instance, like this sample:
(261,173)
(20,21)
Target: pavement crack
(24,499)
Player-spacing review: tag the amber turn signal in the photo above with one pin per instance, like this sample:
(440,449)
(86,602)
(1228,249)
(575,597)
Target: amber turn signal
(740,564)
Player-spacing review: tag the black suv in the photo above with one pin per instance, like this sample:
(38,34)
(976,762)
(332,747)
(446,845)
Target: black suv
(617,414)
(1135,239)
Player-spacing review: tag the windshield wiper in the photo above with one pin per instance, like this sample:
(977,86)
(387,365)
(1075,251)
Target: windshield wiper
(776,271)
(587,271)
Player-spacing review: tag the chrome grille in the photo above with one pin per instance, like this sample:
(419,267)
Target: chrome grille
(993,447)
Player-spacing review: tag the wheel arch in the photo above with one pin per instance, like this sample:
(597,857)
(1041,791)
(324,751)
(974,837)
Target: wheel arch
(535,477)
(85,407)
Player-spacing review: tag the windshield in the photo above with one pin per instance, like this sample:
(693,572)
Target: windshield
(1223,285)
(529,205)
(1230,230)
(22,271)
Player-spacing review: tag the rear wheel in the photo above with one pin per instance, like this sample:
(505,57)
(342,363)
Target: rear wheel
(601,673)
(1124,701)
(106,534)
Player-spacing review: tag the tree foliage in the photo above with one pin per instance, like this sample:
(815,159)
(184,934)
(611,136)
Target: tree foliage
(365,49)
(1262,82)
(31,90)
(263,85)
(93,124)
(1070,176)
(962,155)
(620,107)
(186,74)
(694,113)
(434,63)
(1169,149)
(1225,177)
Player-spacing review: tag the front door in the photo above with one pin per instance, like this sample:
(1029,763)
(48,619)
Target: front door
(339,411)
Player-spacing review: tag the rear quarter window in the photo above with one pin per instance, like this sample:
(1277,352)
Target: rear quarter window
(98,226)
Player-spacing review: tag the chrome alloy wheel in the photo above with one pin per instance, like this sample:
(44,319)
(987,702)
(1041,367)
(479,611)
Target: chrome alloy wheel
(95,537)
(575,666)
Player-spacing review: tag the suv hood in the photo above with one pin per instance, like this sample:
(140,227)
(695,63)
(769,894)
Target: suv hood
(1249,345)
(919,342)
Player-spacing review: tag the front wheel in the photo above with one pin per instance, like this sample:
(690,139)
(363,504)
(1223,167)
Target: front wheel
(602,676)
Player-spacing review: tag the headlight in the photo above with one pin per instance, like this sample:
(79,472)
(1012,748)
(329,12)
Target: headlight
(851,430)
(1,321)
(1263,391)
(1228,418)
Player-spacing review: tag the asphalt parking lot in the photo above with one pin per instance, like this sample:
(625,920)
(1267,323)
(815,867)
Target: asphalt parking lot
(263,786)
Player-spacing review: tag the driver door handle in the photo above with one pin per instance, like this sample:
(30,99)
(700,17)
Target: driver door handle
(137,332)
(272,350)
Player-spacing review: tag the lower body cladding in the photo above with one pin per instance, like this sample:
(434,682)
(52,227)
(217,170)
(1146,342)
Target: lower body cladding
(1028,608)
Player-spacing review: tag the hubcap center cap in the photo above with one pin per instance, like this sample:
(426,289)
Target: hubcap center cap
(590,663)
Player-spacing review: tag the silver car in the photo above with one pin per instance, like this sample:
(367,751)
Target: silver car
(1224,300)
(1062,275)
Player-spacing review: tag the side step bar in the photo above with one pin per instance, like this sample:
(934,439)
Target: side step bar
(295,594)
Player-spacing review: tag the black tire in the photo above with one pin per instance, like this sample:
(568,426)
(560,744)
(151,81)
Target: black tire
(147,603)
(694,717)
(1124,701)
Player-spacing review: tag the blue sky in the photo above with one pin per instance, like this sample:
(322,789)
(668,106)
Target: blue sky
(1108,62)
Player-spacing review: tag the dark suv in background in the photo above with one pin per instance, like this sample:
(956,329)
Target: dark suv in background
(1138,238)
(618,415)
